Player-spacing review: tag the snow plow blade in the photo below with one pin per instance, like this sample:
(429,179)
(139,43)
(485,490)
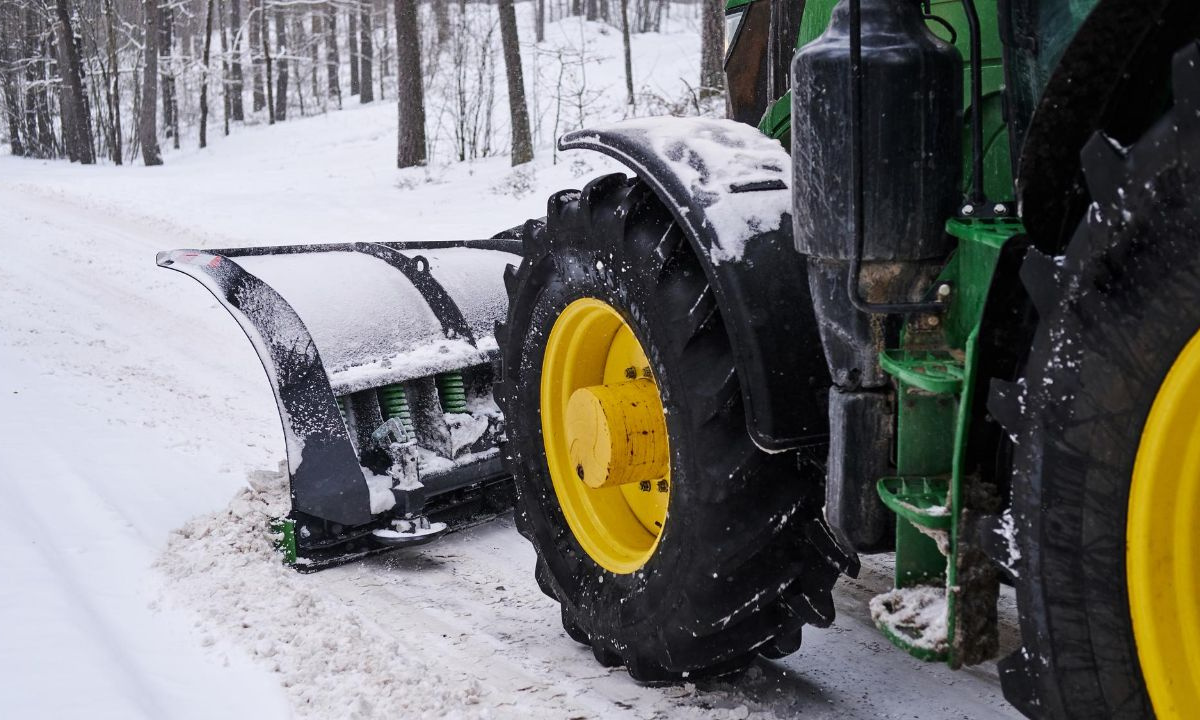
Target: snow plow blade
(380,356)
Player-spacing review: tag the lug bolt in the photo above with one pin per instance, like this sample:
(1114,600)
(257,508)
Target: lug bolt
(1000,209)
(943,291)
(968,210)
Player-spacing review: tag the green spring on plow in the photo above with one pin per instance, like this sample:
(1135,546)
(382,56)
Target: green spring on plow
(452,392)
(393,403)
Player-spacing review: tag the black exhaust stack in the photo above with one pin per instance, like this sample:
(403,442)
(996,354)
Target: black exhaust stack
(877,158)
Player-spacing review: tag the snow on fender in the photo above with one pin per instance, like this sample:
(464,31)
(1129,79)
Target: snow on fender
(728,187)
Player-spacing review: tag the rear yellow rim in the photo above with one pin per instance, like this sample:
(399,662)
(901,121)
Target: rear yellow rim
(1163,546)
(605,435)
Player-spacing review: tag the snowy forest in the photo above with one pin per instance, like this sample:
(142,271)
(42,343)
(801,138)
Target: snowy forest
(120,81)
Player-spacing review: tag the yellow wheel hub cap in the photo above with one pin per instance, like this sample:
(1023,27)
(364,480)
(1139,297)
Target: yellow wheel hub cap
(1163,546)
(605,435)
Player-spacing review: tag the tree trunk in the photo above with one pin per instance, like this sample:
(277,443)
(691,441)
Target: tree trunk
(147,119)
(237,111)
(204,76)
(281,65)
(410,93)
(170,102)
(296,33)
(39,135)
(226,98)
(258,50)
(712,48)
(441,20)
(352,39)
(266,51)
(113,89)
(9,34)
(366,50)
(317,17)
(629,99)
(522,145)
(332,62)
(593,9)
(539,9)
(77,120)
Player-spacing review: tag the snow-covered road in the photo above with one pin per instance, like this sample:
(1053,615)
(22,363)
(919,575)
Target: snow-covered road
(130,404)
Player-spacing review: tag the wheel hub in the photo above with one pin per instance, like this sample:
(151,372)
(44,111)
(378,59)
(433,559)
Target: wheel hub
(616,433)
(605,435)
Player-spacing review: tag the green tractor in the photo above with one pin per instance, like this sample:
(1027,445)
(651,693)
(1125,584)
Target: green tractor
(932,290)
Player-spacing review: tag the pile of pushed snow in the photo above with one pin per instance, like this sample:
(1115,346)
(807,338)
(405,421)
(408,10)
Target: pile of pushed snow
(331,662)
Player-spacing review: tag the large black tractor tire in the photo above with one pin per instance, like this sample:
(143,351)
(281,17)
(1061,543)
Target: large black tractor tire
(1115,311)
(744,559)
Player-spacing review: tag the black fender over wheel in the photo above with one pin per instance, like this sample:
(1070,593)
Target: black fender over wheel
(1116,310)
(744,558)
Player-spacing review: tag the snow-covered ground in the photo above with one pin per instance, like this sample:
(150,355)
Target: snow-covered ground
(138,440)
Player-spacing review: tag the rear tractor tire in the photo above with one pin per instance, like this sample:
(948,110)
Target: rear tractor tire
(1106,487)
(675,546)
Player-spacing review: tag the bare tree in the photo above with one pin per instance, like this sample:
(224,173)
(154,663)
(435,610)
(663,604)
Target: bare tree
(352,42)
(712,47)
(258,50)
(281,64)
(629,100)
(332,63)
(169,101)
(226,96)
(522,145)
(441,20)
(236,81)
(204,76)
(39,127)
(317,18)
(148,120)
(76,116)
(113,83)
(266,51)
(410,93)
(9,34)
(366,50)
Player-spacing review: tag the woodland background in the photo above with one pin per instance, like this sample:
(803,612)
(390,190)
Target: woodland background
(119,81)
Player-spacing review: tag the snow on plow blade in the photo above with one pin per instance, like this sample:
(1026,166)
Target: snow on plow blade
(380,358)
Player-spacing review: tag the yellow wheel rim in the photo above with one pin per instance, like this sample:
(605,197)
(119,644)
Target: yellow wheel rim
(1163,546)
(605,435)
